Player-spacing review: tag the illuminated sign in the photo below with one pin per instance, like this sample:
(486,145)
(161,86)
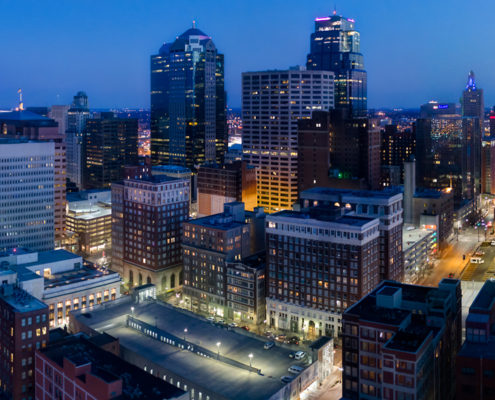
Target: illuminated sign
(443,106)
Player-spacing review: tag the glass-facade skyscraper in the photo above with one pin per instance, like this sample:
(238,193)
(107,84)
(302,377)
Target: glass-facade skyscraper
(188,118)
(335,46)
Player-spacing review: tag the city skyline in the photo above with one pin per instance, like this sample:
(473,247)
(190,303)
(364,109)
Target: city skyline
(108,55)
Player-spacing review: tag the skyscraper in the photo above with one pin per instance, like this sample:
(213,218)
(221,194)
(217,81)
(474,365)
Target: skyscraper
(77,116)
(335,46)
(473,104)
(272,104)
(188,117)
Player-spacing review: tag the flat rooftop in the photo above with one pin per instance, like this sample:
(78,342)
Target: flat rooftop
(378,194)
(485,298)
(322,215)
(226,380)
(218,221)
(22,301)
(409,340)
(84,273)
(412,236)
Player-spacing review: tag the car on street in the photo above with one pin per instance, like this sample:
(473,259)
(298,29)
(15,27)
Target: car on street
(268,345)
(294,340)
(477,260)
(292,354)
(211,319)
(245,327)
(281,338)
(295,369)
(232,325)
(451,275)
(493,243)
(287,379)
(300,355)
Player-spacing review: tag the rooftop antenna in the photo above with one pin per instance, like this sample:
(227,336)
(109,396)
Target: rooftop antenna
(21,104)
(335,9)
(194,24)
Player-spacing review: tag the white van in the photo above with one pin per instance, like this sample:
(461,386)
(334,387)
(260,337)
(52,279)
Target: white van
(295,369)
(477,260)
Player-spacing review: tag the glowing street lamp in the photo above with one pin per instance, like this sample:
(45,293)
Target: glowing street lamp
(218,348)
(185,333)
(132,311)
(250,359)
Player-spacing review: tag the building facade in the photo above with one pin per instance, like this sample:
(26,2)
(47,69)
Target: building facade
(397,147)
(272,104)
(147,218)
(27,180)
(319,262)
(188,102)
(400,341)
(110,144)
(385,205)
(336,46)
(23,329)
(420,246)
(488,165)
(218,185)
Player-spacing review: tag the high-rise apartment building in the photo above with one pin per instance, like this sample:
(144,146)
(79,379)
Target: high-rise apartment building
(77,116)
(23,329)
(25,124)
(218,185)
(386,205)
(400,342)
(109,145)
(188,110)
(209,244)
(319,262)
(27,178)
(336,46)
(338,150)
(272,104)
(147,218)
(397,147)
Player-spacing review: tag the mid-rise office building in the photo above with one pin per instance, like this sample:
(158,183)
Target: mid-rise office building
(319,262)
(188,102)
(23,329)
(488,164)
(475,362)
(110,144)
(62,280)
(79,367)
(77,116)
(400,341)
(218,185)
(210,244)
(147,219)
(385,205)
(89,217)
(27,125)
(338,150)
(397,147)
(272,104)
(336,47)
(27,179)
(420,246)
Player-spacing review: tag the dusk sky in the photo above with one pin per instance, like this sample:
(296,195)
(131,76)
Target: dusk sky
(414,51)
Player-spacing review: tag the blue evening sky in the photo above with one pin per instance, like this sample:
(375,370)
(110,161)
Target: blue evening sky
(414,51)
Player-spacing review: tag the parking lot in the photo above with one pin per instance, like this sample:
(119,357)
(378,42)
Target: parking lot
(480,272)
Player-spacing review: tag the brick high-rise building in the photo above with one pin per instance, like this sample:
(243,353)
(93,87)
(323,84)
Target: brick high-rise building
(109,145)
(400,341)
(218,185)
(319,262)
(385,205)
(23,329)
(147,217)
(272,103)
(27,125)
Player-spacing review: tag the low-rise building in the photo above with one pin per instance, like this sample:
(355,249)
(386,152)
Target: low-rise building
(400,341)
(62,280)
(89,216)
(420,246)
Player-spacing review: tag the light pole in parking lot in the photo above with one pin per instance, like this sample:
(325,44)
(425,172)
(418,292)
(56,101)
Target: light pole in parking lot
(218,348)
(250,359)
(185,333)
(132,312)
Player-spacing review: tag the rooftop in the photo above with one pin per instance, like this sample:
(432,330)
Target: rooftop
(485,298)
(171,168)
(378,194)
(412,236)
(478,350)
(410,339)
(136,383)
(153,179)
(323,214)
(20,300)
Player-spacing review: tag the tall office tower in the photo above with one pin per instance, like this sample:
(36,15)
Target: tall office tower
(27,201)
(272,104)
(218,185)
(59,115)
(338,150)
(473,103)
(23,329)
(386,205)
(319,262)
(208,244)
(109,145)
(188,111)
(147,217)
(440,149)
(397,147)
(335,46)
(77,116)
(400,341)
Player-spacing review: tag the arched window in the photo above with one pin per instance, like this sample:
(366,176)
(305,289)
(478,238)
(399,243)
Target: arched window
(164,283)
(140,279)
(172,281)
(148,280)
(131,277)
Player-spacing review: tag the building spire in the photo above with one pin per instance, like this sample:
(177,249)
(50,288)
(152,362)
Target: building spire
(21,103)
(471,84)
(194,24)
(335,9)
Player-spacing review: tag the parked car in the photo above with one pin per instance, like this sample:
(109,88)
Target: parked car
(281,338)
(221,321)
(286,379)
(269,334)
(451,275)
(232,325)
(245,327)
(292,354)
(268,345)
(477,260)
(294,340)
(295,369)
(300,355)
(211,319)
(493,243)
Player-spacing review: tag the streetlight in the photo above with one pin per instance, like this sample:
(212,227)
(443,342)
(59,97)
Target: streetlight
(132,311)
(218,348)
(250,359)
(185,333)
